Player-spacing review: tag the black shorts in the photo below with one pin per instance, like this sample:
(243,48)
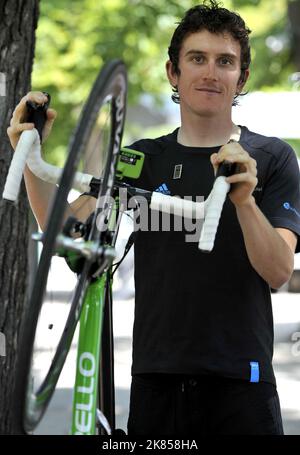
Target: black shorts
(162,404)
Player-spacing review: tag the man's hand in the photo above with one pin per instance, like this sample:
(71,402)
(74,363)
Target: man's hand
(245,180)
(18,121)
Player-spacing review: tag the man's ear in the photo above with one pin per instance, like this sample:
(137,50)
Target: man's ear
(242,81)
(172,76)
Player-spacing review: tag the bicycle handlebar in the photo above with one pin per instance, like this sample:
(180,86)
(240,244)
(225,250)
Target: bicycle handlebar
(210,210)
(27,142)
(213,214)
(28,151)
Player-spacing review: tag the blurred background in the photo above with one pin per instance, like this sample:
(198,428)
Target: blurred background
(74,39)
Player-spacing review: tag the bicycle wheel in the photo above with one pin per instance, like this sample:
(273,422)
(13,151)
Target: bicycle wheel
(57,293)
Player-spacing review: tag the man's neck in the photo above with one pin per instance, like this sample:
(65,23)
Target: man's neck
(206,132)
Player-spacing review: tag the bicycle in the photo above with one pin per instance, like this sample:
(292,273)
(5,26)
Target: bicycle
(87,248)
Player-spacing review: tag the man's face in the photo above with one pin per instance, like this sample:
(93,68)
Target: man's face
(210,69)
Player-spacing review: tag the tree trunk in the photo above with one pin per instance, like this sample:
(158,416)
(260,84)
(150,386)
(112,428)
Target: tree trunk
(294,19)
(18,21)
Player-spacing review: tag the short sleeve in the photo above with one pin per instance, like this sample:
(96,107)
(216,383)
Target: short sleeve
(280,201)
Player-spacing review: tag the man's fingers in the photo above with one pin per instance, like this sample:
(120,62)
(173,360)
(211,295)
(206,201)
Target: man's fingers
(37,97)
(213,160)
(25,126)
(243,161)
(243,177)
(234,158)
(19,123)
(51,116)
(19,128)
(20,111)
(15,131)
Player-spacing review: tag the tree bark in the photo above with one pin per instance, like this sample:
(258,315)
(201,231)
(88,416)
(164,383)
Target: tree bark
(18,21)
(294,20)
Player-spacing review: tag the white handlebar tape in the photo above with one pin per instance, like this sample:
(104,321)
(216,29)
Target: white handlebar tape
(28,151)
(177,206)
(14,177)
(213,212)
(51,174)
(82,182)
(213,208)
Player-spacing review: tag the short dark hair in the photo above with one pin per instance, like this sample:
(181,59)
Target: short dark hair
(217,20)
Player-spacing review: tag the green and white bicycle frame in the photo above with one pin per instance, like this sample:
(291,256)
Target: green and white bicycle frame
(91,351)
(85,400)
(94,397)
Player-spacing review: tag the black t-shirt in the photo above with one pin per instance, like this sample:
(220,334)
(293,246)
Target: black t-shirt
(199,313)
(208,313)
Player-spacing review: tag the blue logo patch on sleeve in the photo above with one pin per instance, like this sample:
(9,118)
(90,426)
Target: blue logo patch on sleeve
(288,206)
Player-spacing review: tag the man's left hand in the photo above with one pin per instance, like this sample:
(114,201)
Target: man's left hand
(244,180)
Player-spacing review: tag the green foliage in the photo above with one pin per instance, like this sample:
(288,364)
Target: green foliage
(295,144)
(270,43)
(76,37)
(240,3)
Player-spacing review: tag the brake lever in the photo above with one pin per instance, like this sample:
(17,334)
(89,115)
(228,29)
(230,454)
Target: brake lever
(226,168)
(37,114)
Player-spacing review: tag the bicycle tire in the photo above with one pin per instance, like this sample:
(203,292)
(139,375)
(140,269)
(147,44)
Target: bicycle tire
(28,408)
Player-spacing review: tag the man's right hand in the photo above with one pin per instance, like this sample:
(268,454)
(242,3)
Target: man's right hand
(18,121)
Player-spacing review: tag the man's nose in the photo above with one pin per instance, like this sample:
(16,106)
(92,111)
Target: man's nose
(210,71)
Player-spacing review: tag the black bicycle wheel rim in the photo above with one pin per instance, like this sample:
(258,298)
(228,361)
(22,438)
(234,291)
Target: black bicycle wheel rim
(111,79)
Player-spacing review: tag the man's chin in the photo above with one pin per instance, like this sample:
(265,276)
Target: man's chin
(207,112)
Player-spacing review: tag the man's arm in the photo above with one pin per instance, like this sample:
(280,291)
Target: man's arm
(40,193)
(270,251)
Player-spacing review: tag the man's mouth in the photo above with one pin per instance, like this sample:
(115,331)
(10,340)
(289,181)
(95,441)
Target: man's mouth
(208,90)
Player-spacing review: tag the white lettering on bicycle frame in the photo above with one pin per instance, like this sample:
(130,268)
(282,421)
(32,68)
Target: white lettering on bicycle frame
(83,426)
(83,416)
(87,372)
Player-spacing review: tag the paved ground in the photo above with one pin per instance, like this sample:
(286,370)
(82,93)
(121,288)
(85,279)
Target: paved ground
(286,308)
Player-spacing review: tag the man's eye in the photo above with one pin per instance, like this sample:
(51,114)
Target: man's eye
(198,59)
(225,61)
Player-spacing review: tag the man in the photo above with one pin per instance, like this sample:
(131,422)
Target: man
(203,329)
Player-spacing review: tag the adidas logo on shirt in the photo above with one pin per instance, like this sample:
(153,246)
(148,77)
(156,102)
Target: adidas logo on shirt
(163,189)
